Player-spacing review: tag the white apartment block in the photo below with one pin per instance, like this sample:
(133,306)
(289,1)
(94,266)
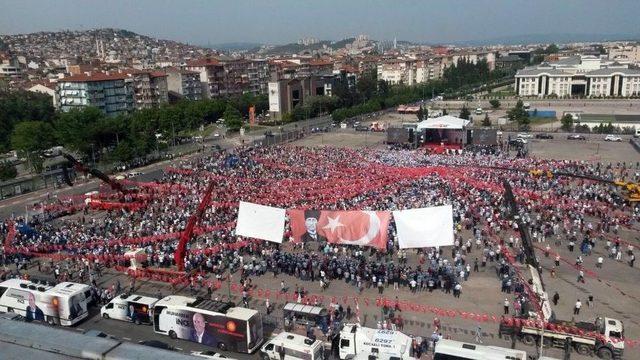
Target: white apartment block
(578,76)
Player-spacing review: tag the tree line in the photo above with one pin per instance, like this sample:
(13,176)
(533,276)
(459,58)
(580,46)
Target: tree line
(30,125)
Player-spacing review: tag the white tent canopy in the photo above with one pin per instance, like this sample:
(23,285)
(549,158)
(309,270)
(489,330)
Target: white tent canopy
(443,122)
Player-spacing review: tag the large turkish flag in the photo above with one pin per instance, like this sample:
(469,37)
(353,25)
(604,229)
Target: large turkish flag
(365,228)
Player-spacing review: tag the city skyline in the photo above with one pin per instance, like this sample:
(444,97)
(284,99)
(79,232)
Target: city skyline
(284,21)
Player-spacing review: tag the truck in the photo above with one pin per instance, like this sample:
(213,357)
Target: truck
(355,339)
(604,337)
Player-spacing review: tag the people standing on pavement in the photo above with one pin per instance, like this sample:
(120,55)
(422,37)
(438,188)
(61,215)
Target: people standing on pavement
(506,306)
(576,308)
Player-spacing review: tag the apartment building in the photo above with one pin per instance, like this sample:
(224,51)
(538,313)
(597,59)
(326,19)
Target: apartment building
(185,83)
(630,53)
(229,77)
(211,72)
(110,92)
(149,88)
(398,71)
(259,75)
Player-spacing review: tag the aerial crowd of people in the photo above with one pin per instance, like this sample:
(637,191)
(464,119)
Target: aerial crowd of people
(559,210)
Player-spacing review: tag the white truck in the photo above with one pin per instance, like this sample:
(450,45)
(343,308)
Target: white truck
(604,337)
(294,347)
(134,308)
(355,339)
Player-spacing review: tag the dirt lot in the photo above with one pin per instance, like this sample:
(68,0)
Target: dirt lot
(591,150)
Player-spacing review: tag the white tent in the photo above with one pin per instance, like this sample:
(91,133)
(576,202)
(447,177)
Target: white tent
(443,122)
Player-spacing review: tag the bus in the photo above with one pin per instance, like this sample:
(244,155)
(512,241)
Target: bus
(456,350)
(63,304)
(209,322)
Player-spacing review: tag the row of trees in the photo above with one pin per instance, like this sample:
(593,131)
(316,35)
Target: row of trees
(372,94)
(30,125)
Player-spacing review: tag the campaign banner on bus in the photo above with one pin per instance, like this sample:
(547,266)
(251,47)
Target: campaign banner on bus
(43,306)
(206,329)
(364,228)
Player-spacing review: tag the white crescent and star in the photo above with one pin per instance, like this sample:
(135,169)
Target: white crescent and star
(333,223)
(374,230)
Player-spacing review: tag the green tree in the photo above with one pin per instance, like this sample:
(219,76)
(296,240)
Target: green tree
(494,103)
(519,115)
(567,122)
(486,121)
(31,138)
(232,118)
(464,113)
(75,129)
(552,49)
(7,171)
(19,106)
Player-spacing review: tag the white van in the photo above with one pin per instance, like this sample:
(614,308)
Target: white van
(450,349)
(133,308)
(296,347)
(356,339)
(637,134)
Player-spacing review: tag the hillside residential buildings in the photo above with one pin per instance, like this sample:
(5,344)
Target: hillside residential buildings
(589,76)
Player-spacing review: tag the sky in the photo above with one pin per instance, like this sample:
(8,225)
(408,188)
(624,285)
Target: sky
(204,22)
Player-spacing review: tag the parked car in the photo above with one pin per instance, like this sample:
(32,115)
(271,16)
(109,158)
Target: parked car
(517,142)
(156,344)
(209,354)
(362,128)
(576,137)
(544,136)
(524,136)
(612,138)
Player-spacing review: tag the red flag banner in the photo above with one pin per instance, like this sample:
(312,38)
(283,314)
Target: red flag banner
(364,228)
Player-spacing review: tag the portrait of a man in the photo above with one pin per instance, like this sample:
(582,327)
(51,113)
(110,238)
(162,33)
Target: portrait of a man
(33,311)
(199,333)
(311,218)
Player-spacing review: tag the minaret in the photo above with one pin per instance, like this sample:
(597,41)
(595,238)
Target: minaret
(395,43)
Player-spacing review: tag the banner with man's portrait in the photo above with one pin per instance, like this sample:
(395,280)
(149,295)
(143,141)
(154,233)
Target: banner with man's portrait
(364,228)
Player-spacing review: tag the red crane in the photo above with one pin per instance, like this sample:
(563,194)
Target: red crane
(178,256)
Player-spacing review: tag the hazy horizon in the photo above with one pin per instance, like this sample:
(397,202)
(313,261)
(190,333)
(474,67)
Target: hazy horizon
(284,21)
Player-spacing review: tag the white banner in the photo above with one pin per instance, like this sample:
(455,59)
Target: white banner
(260,222)
(425,227)
(274,97)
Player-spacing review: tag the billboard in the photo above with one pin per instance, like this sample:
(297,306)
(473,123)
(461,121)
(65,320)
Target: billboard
(485,137)
(274,97)
(397,135)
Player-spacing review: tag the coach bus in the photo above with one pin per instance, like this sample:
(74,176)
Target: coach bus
(208,322)
(456,350)
(63,304)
